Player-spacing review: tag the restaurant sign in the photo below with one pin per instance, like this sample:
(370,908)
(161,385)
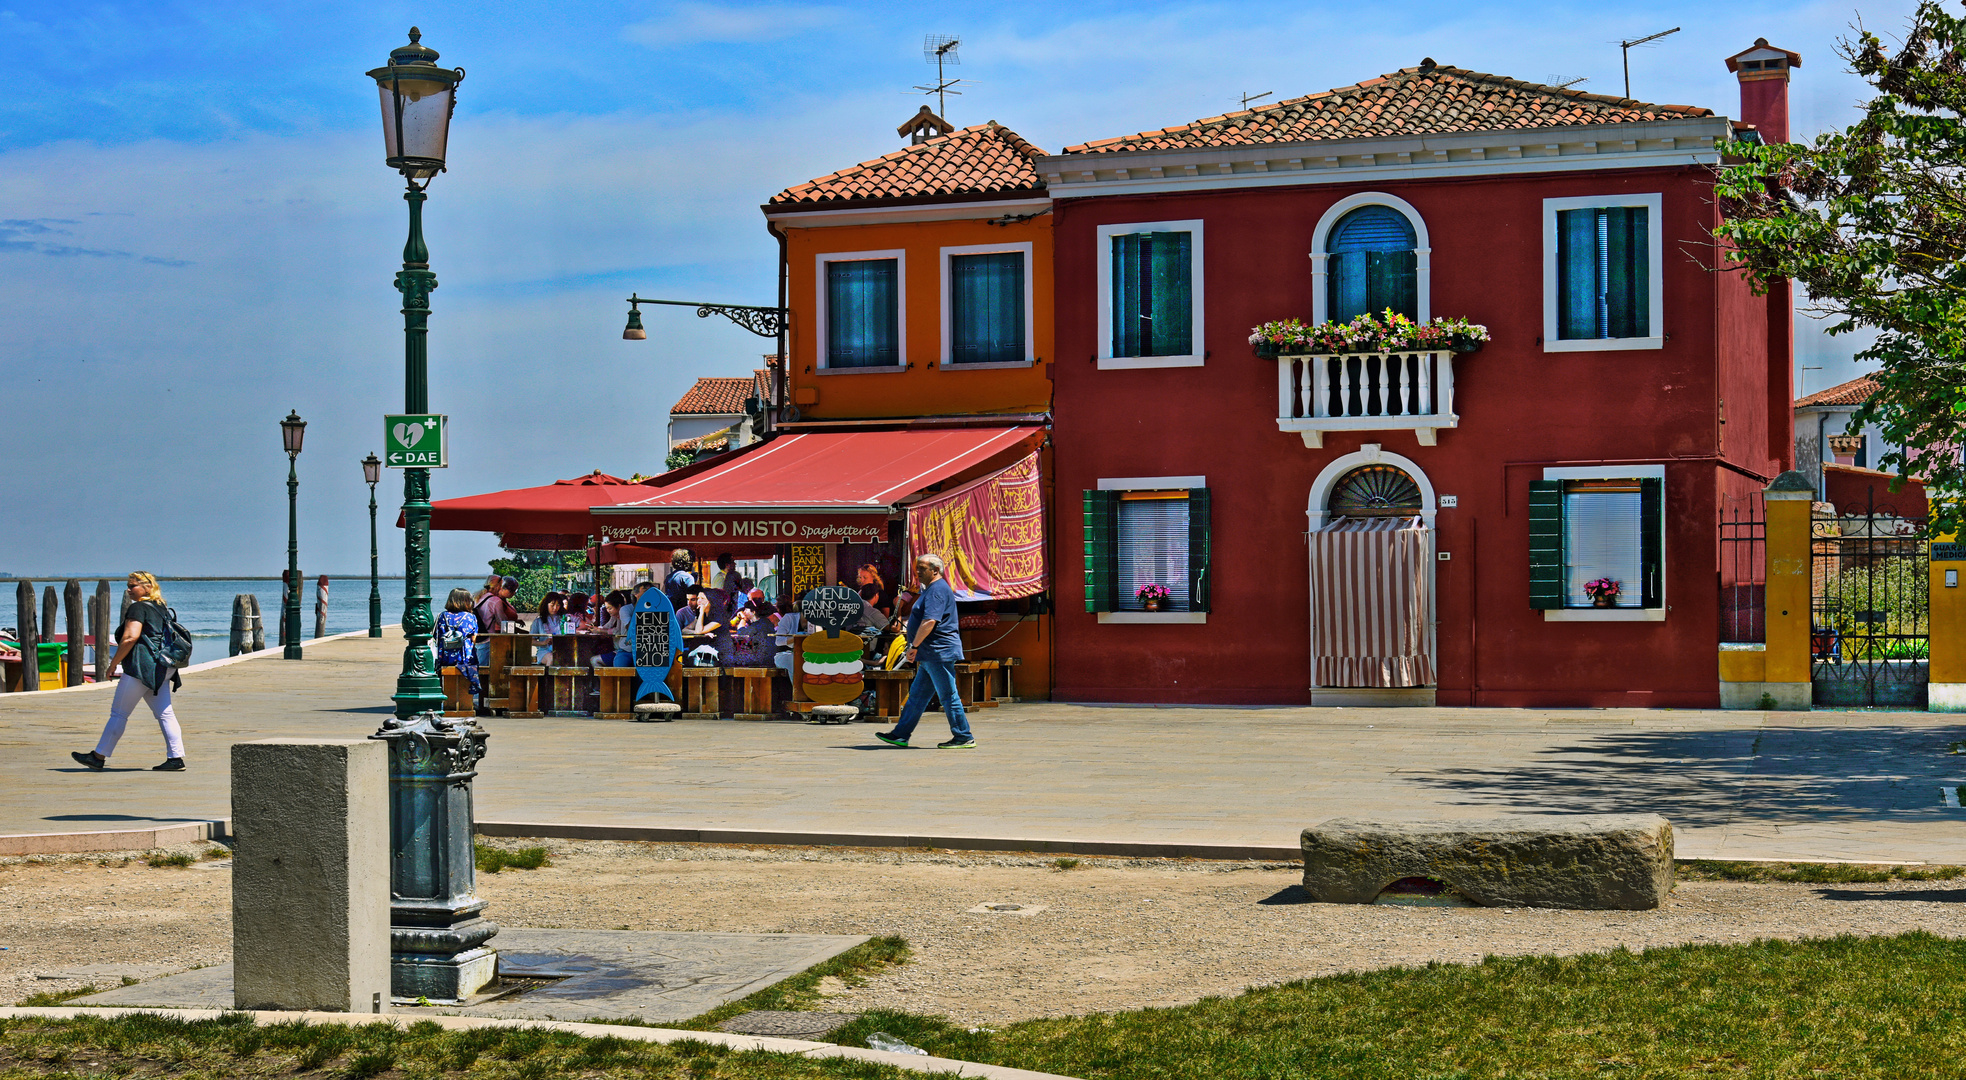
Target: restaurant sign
(762,527)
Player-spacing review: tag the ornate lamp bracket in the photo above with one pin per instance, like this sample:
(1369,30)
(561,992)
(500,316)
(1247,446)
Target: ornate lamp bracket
(763,321)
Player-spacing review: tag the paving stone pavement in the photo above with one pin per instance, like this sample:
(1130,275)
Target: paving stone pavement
(1823,785)
(618,974)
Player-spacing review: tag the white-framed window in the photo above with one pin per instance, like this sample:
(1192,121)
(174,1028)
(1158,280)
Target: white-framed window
(1148,531)
(863,311)
(1603,287)
(1595,527)
(1356,264)
(987,306)
(1150,295)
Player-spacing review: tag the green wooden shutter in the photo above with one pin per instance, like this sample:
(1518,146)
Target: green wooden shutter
(1627,285)
(1173,328)
(1346,281)
(1201,569)
(986,308)
(1576,274)
(1101,522)
(1651,541)
(1546,544)
(1392,281)
(1127,299)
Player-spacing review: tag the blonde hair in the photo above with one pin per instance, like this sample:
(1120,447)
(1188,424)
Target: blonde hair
(147,586)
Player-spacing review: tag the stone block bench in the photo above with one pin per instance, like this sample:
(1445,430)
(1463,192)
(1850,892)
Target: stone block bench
(1606,861)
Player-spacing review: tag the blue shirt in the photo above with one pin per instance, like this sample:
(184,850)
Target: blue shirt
(937,602)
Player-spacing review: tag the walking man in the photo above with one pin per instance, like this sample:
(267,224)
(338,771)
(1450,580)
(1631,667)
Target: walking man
(935,646)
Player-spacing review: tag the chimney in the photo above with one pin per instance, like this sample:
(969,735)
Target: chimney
(1764,74)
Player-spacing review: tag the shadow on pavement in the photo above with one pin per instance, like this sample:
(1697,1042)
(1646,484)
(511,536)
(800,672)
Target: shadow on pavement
(1928,896)
(1289,894)
(1710,778)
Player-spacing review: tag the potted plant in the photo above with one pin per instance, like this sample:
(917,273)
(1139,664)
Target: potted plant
(1603,592)
(1152,596)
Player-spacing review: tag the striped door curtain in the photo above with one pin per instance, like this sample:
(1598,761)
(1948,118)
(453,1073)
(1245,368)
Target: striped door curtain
(1371,595)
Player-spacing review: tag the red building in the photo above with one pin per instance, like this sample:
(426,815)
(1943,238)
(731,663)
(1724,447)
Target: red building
(1417,525)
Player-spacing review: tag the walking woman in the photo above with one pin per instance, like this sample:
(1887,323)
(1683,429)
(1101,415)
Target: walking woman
(147,679)
(457,637)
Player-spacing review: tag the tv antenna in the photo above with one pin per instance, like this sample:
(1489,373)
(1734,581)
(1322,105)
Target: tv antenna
(1565,82)
(1628,46)
(940,49)
(1247,98)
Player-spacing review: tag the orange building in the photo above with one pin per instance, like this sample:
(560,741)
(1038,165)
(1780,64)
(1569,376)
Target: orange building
(919,283)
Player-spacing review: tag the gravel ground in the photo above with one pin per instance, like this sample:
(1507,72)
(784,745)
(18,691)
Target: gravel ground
(1112,934)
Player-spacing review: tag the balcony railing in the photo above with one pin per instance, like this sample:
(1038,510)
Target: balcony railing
(1398,391)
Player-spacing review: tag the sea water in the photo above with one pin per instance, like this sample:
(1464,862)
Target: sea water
(205,607)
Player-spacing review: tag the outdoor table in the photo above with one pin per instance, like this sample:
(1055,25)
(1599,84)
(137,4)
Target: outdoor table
(890,691)
(973,678)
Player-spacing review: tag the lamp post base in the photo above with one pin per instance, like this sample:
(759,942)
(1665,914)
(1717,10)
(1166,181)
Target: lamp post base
(444,980)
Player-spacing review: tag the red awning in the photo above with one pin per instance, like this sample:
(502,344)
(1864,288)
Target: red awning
(819,487)
(554,515)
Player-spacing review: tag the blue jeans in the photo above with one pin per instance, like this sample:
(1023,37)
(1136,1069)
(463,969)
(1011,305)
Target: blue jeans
(936,676)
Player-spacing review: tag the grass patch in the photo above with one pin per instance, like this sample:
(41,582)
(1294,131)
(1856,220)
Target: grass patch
(231,1046)
(1812,873)
(179,860)
(1846,1007)
(51,998)
(1065,864)
(491,860)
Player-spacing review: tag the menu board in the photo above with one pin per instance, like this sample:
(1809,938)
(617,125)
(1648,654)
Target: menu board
(808,567)
(656,630)
(831,607)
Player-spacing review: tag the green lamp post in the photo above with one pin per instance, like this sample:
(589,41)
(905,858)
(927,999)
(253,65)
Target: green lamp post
(437,929)
(292,430)
(372,475)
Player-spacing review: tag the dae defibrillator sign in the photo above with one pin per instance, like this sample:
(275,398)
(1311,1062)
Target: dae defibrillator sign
(416,441)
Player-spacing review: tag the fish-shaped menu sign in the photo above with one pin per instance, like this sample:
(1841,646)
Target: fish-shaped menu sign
(657,632)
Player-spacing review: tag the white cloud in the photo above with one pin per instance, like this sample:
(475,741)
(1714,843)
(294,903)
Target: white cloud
(692,24)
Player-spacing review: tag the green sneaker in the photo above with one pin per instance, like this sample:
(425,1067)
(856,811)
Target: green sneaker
(957,744)
(891,740)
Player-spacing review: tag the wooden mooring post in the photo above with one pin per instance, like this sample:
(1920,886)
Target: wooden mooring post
(71,602)
(105,632)
(50,616)
(259,624)
(30,654)
(242,630)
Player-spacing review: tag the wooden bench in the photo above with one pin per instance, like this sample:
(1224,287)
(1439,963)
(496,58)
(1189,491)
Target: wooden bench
(757,691)
(1006,687)
(890,691)
(495,674)
(617,692)
(973,679)
(523,693)
(457,694)
(702,696)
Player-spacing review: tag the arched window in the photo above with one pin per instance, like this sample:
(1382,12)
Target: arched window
(1375,491)
(1374,264)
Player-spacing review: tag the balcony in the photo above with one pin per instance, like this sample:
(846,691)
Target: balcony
(1394,391)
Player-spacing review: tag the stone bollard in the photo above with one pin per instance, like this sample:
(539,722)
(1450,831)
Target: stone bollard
(310,879)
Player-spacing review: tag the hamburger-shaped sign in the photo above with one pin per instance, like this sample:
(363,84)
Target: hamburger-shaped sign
(829,657)
(829,666)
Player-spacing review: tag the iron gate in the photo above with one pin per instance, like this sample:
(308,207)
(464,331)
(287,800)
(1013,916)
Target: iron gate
(1870,639)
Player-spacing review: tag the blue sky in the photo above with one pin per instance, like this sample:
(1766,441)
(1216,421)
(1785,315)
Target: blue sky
(197,232)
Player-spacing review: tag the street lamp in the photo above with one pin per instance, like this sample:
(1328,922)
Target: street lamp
(372,475)
(292,430)
(437,932)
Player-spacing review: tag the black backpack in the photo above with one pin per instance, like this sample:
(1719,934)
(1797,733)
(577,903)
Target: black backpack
(173,646)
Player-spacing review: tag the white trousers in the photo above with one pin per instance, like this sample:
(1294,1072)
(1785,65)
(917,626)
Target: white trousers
(130,691)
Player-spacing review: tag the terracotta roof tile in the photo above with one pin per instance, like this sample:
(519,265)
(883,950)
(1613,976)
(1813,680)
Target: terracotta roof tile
(986,159)
(716,440)
(1425,100)
(1855,392)
(720,395)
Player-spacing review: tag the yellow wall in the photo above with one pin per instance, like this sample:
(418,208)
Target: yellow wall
(925,387)
(1948,625)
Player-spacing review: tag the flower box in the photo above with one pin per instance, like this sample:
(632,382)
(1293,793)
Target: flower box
(1367,334)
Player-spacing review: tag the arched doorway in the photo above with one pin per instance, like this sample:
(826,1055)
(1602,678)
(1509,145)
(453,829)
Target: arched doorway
(1372,582)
